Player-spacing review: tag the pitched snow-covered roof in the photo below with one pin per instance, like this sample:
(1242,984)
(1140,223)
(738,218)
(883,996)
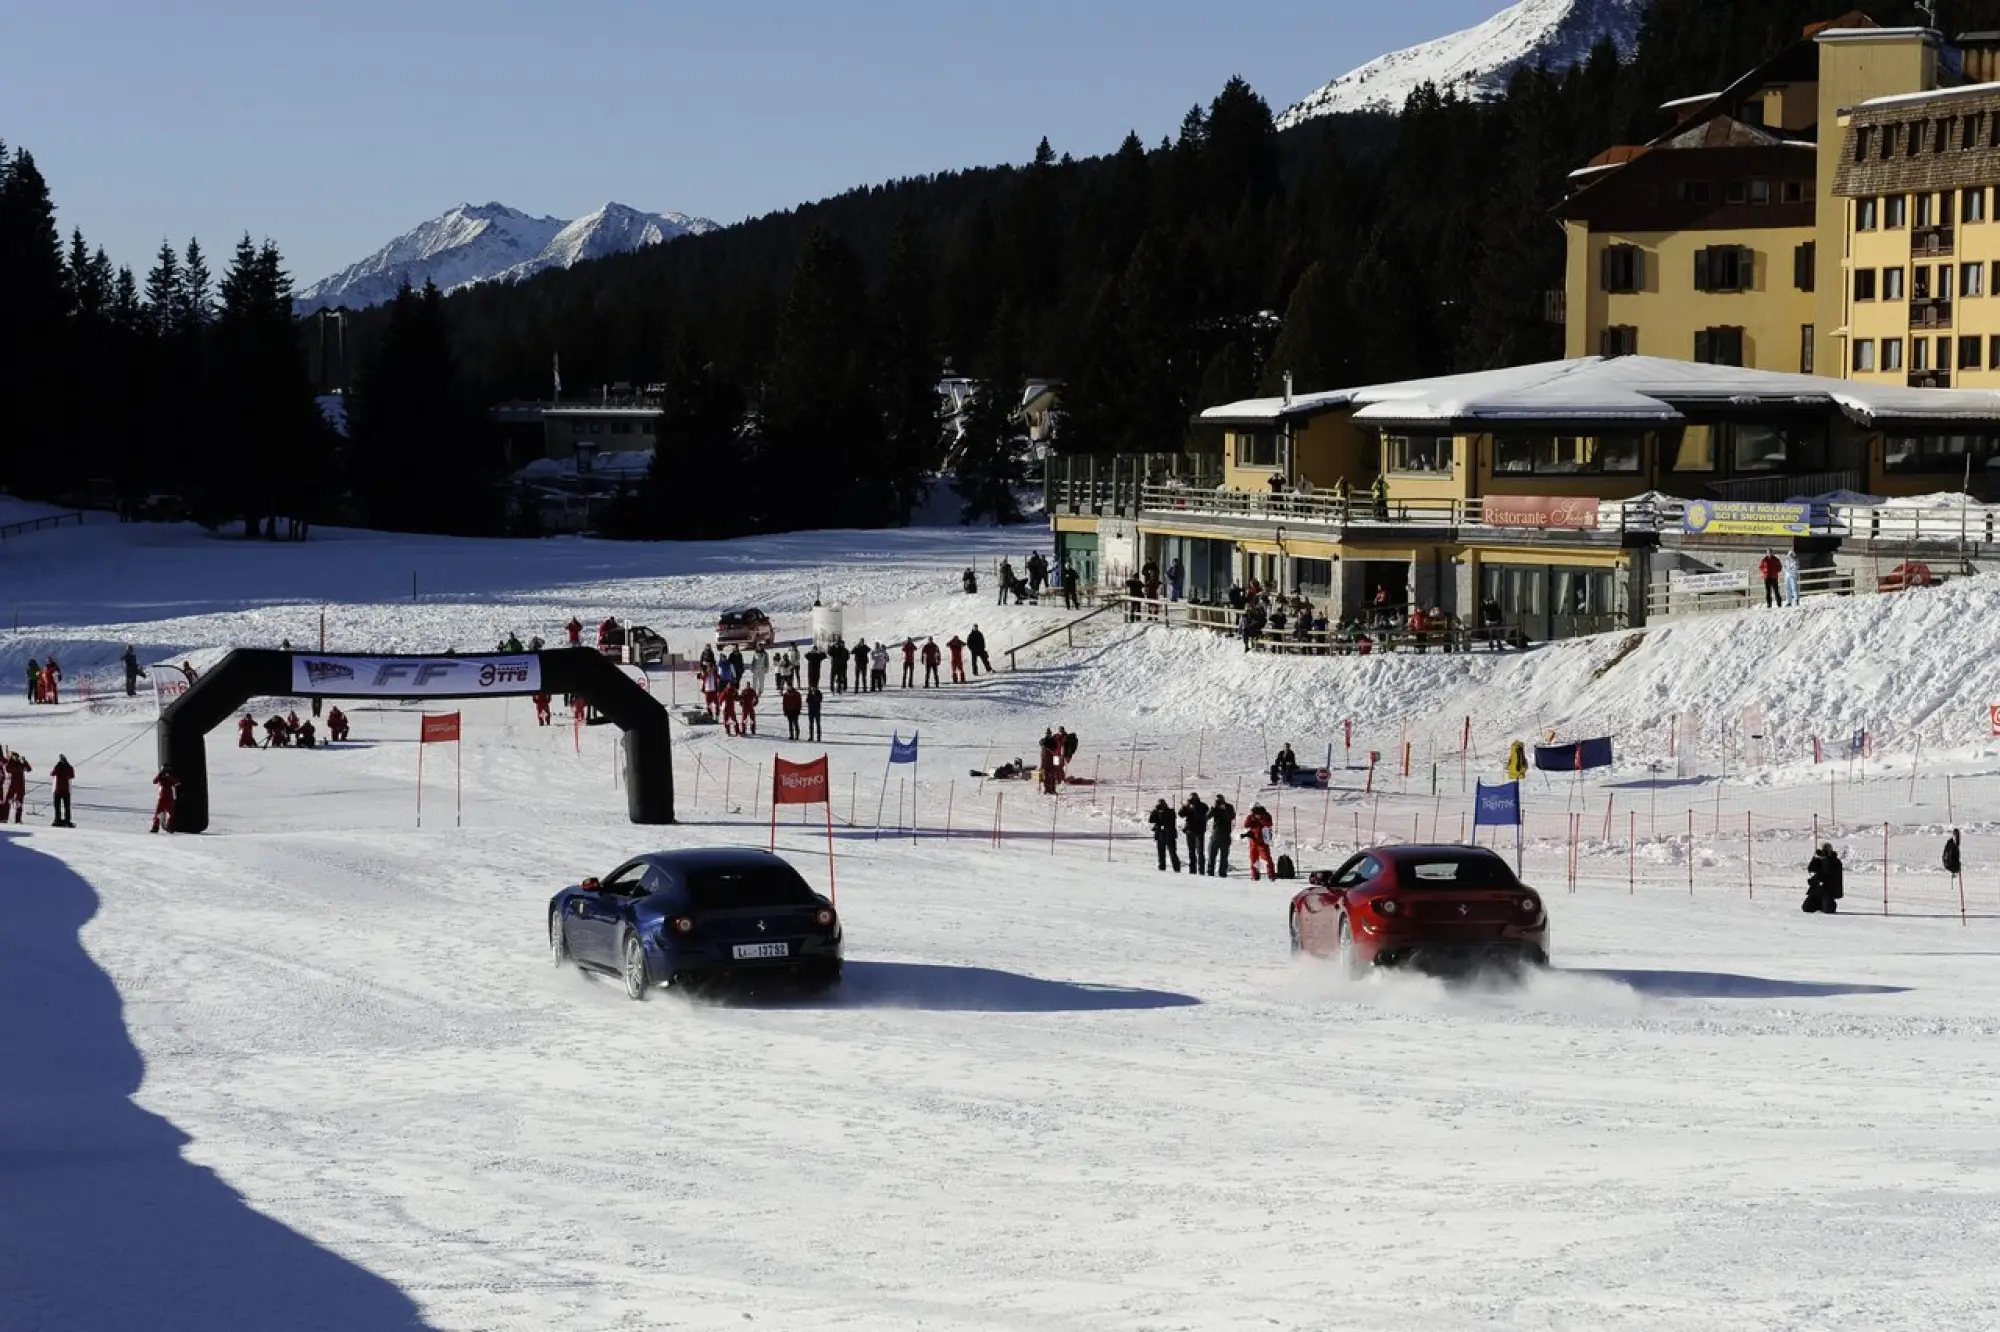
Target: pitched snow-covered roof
(1637,389)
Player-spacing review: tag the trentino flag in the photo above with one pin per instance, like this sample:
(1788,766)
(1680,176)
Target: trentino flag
(1498,806)
(1859,743)
(902,751)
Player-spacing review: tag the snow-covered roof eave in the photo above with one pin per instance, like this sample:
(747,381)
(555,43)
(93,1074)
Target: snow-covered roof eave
(1934,95)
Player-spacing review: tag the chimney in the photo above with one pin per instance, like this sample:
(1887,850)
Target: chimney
(1288,390)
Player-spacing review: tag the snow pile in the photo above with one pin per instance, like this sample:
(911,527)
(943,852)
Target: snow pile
(1478,61)
(486,242)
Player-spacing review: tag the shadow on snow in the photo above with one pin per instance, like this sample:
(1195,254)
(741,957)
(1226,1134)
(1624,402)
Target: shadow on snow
(103,1223)
(1722,985)
(945,989)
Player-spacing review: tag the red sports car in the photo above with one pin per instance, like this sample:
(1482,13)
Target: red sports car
(1430,907)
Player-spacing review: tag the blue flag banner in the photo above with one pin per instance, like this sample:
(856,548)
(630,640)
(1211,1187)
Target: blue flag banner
(1498,806)
(1574,758)
(901,750)
(1858,743)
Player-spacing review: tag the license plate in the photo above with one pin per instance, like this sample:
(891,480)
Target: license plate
(762,950)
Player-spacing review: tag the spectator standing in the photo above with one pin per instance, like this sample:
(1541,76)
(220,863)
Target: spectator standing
(14,791)
(1772,569)
(815,658)
(975,643)
(909,662)
(1952,865)
(1071,587)
(932,656)
(837,655)
(813,701)
(878,673)
(956,646)
(1194,825)
(132,672)
(60,777)
(1006,579)
(1176,579)
(1221,825)
(163,808)
(1162,821)
(792,704)
(1257,832)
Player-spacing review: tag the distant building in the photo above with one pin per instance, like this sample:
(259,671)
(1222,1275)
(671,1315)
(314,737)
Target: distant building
(570,459)
(1037,413)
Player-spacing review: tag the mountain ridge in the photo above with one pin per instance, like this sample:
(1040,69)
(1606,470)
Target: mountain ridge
(1478,61)
(491,242)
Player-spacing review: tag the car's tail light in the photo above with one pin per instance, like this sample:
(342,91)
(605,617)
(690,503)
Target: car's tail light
(1385,905)
(683,924)
(1530,907)
(825,918)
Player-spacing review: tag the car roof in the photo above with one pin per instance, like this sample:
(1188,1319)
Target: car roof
(1429,850)
(703,858)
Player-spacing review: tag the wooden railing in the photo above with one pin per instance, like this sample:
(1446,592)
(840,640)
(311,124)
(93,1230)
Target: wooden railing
(1066,629)
(1362,511)
(27,525)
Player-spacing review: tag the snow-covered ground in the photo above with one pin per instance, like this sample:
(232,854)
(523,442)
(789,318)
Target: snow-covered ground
(313,1070)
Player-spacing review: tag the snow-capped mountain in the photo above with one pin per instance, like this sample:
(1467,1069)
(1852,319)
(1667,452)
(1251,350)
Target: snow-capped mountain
(1479,61)
(489,242)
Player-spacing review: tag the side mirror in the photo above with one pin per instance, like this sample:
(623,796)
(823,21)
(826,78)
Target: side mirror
(589,885)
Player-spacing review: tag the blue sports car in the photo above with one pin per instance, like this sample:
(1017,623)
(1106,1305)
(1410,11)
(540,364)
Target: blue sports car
(681,918)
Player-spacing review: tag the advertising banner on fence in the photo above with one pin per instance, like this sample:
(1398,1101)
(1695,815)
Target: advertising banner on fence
(1743,518)
(415,677)
(1545,511)
(1574,758)
(1737,580)
(169,683)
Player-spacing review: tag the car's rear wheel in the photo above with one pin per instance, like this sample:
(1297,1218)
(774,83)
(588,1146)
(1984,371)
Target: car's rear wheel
(559,954)
(634,969)
(1345,955)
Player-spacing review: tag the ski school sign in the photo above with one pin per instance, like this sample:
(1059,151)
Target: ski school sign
(415,677)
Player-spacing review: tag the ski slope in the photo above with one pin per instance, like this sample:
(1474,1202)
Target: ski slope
(313,1070)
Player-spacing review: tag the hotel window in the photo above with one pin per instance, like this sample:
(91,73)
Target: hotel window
(1770,448)
(1419,453)
(1924,210)
(1946,208)
(1793,191)
(1995,276)
(1732,191)
(1944,353)
(1944,282)
(1724,268)
(1864,139)
(1864,284)
(1618,340)
(1693,191)
(1896,211)
(1892,284)
(1920,354)
(1968,352)
(1760,191)
(1867,214)
(1805,264)
(1805,349)
(1993,354)
(1913,137)
(1864,356)
(1256,450)
(1624,268)
(1941,133)
(1892,353)
(1970,139)
(1972,280)
(1696,450)
(1920,282)
(1719,346)
(1972,205)
(1944,454)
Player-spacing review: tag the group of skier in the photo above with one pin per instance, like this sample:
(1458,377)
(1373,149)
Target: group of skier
(288,732)
(1031,588)
(1208,829)
(14,770)
(44,680)
(732,686)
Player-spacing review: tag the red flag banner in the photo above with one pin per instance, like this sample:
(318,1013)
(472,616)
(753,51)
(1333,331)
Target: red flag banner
(1993,716)
(800,783)
(440,730)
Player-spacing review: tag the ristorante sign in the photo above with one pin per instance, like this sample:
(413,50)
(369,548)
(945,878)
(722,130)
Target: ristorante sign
(415,677)
(1545,511)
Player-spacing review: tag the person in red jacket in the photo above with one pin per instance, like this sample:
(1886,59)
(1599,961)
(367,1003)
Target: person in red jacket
(542,709)
(931,657)
(61,776)
(575,630)
(1257,831)
(51,681)
(246,732)
(909,662)
(957,647)
(336,727)
(746,700)
(728,696)
(793,704)
(14,794)
(163,809)
(1773,569)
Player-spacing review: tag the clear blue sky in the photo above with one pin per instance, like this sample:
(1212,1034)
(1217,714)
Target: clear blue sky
(332,126)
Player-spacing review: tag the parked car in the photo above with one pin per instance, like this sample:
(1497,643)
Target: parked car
(1907,575)
(683,919)
(636,644)
(1436,908)
(745,628)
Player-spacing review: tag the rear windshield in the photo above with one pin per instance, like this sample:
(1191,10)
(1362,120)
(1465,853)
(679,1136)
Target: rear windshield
(751,886)
(1455,872)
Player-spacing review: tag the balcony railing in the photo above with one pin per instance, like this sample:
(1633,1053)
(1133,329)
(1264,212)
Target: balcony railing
(1932,242)
(1555,307)
(1930,379)
(1360,512)
(1930,312)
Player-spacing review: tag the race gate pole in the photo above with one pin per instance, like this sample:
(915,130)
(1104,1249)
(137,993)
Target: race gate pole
(1375,819)
(1831,815)
(999,798)
(882,801)
(1200,749)
(950,794)
(1631,851)
(728,776)
(1054,806)
(853,785)
(1885,869)
(1295,827)
(1749,857)
(1960,877)
(756,788)
(458,774)
(1690,853)
(420,770)
(1950,810)
(985,764)
(774,807)
(832,888)
(1325,807)
(1096,778)
(694,798)
(902,784)
(1609,801)
(1110,814)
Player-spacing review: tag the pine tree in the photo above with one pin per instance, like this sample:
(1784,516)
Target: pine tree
(36,371)
(908,390)
(990,459)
